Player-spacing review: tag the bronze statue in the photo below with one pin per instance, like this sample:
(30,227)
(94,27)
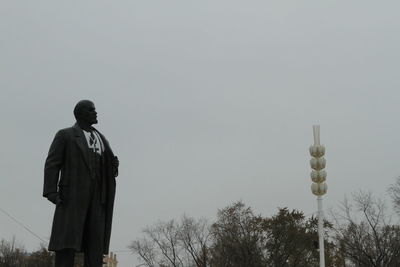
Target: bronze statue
(79,178)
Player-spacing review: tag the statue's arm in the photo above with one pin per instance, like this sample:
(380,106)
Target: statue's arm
(114,159)
(52,167)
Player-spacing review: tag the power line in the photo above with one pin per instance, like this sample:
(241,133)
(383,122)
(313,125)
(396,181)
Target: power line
(41,239)
(22,225)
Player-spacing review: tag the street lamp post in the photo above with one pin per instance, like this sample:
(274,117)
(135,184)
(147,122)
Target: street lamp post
(319,187)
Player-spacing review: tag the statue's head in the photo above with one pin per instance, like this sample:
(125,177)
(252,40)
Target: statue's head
(85,112)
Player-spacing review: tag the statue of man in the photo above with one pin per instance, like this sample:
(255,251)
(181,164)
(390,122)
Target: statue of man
(79,178)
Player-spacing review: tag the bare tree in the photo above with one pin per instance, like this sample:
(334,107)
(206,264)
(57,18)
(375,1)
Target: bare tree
(365,235)
(146,250)
(40,258)
(195,237)
(11,254)
(394,191)
(237,237)
(183,244)
(290,237)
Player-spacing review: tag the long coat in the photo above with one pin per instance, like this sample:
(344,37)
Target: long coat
(68,171)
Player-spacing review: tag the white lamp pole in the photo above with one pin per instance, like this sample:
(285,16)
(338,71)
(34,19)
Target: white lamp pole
(319,187)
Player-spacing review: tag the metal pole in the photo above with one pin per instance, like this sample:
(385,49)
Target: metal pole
(316,134)
(321,233)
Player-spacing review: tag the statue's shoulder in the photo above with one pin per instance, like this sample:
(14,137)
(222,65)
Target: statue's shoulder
(66,132)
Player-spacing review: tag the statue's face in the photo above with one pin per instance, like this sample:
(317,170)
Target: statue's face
(88,114)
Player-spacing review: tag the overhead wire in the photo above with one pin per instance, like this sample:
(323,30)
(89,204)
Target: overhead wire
(41,239)
(23,225)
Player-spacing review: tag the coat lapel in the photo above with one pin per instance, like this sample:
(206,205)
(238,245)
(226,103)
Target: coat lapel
(80,140)
(104,141)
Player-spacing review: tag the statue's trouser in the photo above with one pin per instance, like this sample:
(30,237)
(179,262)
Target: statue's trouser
(65,258)
(93,234)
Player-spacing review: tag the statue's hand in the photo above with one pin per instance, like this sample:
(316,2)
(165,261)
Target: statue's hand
(115,162)
(115,165)
(55,199)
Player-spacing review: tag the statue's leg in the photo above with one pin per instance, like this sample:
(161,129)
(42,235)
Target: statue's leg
(65,258)
(94,231)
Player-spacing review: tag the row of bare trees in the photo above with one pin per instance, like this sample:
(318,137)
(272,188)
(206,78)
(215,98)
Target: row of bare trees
(363,232)
(238,238)
(14,255)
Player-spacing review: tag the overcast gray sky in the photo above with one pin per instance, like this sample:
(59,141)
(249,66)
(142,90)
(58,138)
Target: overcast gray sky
(205,102)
